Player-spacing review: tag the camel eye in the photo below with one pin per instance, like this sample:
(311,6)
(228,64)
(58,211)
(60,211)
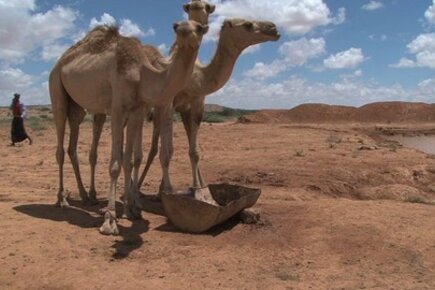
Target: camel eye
(248,25)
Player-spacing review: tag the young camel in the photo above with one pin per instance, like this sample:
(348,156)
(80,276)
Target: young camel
(106,73)
(198,11)
(235,36)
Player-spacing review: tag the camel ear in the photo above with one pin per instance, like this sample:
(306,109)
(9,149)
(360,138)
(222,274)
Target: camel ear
(210,8)
(186,8)
(175,25)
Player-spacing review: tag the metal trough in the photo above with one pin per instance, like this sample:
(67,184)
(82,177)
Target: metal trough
(190,214)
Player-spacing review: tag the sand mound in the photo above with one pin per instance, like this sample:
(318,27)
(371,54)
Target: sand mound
(392,112)
(381,112)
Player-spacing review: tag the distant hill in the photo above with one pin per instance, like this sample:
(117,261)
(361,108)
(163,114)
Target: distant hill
(380,112)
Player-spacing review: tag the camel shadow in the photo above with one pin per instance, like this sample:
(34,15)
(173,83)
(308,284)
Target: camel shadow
(86,216)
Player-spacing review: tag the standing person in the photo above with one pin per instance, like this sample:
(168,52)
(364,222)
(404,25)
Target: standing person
(18,133)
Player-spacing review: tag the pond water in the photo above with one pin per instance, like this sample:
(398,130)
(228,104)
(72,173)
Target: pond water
(423,143)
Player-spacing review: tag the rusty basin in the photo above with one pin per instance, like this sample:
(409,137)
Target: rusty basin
(192,214)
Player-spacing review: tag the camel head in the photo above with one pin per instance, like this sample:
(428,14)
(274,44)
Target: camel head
(199,10)
(243,33)
(189,33)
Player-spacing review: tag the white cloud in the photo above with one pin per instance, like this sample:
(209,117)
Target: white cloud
(341,16)
(105,19)
(255,94)
(373,5)
(358,73)
(404,63)
(31,87)
(298,52)
(22,31)
(430,13)
(164,49)
(53,51)
(252,49)
(293,53)
(14,78)
(127,28)
(350,58)
(295,17)
(264,71)
(424,49)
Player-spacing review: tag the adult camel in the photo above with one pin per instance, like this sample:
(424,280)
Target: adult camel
(235,36)
(197,10)
(107,73)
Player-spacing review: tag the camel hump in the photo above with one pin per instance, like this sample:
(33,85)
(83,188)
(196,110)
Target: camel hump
(99,39)
(129,54)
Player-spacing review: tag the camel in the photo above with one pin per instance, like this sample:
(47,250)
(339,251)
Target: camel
(235,36)
(107,73)
(198,11)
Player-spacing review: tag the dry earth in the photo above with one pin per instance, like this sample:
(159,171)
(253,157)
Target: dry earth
(334,216)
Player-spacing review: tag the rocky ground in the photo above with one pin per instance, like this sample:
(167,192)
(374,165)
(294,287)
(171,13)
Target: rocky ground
(341,208)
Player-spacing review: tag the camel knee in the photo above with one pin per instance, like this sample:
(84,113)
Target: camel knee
(194,156)
(164,160)
(72,152)
(60,155)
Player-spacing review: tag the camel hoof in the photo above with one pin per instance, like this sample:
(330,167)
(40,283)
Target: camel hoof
(84,197)
(133,212)
(109,226)
(62,203)
(62,199)
(93,196)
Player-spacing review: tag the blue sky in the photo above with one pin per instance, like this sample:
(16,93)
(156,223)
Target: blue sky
(331,51)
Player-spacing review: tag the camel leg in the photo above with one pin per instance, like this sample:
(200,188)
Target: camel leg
(166,146)
(59,103)
(153,150)
(75,117)
(132,206)
(109,226)
(60,121)
(98,124)
(191,122)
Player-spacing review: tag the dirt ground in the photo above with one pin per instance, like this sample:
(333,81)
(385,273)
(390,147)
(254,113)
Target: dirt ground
(335,206)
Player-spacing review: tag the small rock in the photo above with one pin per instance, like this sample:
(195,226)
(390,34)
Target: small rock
(250,216)
(368,147)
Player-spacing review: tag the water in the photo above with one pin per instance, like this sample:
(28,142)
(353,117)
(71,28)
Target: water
(422,143)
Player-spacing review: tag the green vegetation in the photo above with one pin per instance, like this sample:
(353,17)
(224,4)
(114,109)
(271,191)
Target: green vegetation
(417,199)
(37,123)
(226,114)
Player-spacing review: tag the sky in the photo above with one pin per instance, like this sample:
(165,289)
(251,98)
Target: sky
(331,51)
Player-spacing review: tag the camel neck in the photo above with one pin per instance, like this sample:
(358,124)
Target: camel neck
(173,78)
(218,71)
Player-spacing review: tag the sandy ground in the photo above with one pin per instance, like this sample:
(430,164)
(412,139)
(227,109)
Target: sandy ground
(334,216)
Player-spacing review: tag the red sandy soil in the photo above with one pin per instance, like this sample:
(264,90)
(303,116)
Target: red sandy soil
(334,216)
